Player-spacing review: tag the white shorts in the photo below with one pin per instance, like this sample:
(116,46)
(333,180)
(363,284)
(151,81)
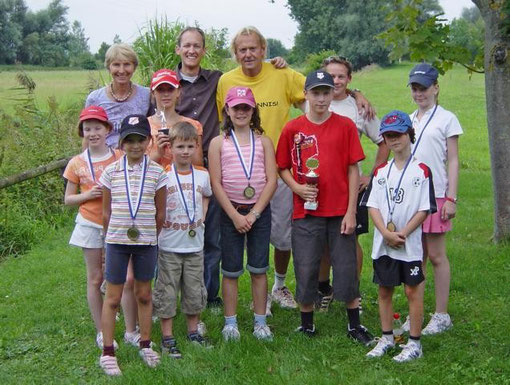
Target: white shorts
(87,237)
(281,216)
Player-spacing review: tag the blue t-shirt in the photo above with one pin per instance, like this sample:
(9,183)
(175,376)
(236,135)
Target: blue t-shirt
(138,104)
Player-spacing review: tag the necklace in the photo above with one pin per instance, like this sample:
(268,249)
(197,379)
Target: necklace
(120,100)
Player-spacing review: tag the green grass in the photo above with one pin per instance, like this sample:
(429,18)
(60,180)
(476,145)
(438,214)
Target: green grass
(47,335)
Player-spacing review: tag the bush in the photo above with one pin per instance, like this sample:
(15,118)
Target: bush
(314,60)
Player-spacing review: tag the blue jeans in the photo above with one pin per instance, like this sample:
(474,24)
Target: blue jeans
(212,250)
(257,245)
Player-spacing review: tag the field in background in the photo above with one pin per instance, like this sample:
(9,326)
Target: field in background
(47,335)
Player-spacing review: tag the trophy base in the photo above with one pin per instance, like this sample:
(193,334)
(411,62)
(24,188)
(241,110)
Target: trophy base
(311,205)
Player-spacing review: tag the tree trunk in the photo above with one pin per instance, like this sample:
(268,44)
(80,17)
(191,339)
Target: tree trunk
(497,91)
(25,175)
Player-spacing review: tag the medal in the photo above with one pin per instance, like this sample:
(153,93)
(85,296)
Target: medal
(249,191)
(391,227)
(133,233)
(192,233)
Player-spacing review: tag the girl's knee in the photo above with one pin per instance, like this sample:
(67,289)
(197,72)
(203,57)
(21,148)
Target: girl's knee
(96,280)
(112,301)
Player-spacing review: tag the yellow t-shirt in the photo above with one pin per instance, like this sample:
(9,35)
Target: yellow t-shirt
(275,91)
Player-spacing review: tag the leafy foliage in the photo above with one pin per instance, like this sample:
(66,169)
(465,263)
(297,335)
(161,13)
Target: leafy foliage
(276,48)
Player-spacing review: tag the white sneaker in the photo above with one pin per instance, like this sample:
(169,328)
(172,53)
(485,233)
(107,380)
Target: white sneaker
(133,338)
(383,345)
(410,351)
(269,313)
(284,297)
(440,322)
(231,333)
(109,365)
(262,332)
(99,341)
(201,328)
(149,356)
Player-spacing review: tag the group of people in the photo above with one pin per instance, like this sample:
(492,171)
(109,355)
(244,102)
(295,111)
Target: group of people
(178,179)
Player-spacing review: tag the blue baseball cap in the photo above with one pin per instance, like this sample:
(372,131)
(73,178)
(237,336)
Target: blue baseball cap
(423,74)
(395,121)
(317,79)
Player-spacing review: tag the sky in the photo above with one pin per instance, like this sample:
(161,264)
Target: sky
(103,19)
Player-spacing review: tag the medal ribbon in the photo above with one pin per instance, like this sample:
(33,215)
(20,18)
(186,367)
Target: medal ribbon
(190,218)
(252,154)
(423,130)
(395,191)
(128,187)
(91,165)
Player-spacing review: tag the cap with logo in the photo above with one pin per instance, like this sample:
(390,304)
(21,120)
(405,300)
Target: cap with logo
(164,76)
(318,78)
(395,121)
(240,95)
(134,124)
(423,74)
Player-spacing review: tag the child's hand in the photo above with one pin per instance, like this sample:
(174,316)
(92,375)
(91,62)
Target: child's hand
(95,192)
(348,224)
(307,192)
(394,239)
(448,210)
(162,141)
(241,223)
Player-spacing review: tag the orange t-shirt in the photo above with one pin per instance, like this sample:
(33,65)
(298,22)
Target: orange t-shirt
(78,172)
(155,123)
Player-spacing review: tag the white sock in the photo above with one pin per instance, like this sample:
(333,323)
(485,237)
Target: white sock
(279,281)
(389,337)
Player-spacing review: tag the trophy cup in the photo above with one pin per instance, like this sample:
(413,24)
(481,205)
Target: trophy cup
(311,177)
(164,129)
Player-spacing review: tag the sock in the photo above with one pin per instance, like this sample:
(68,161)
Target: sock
(232,320)
(415,340)
(260,319)
(145,344)
(325,287)
(388,336)
(307,319)
(353,316)
(279,280)
(108,351)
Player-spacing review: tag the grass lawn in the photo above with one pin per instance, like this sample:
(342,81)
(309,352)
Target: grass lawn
(47,335)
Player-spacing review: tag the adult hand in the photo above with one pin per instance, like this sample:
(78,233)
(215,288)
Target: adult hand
(364,106)
(363,182)
(448,210)
(278,62)
(394,239)
(348,224)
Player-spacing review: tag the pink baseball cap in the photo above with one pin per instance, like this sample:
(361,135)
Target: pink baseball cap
(240,95)
(164,76)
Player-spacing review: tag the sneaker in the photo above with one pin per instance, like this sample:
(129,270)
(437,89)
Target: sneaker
(99,341)
(361,335)
(197,339)
(323,302)
(149,356)
(201,328)
(262,332)
(109,365)
(169,347)
(410,351)
(306,331)
(269,313)
(440,322)
(132,338)
(284,298)
(231,333)
(383,345)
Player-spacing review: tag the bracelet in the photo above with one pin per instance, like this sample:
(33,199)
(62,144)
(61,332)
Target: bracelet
(255,213)
(450,199)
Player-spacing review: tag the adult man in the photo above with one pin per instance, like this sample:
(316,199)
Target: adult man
(275,91)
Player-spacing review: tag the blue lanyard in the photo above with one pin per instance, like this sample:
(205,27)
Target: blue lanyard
(128,187)
(395,191)
(423,130)
(191,219)
(252,153)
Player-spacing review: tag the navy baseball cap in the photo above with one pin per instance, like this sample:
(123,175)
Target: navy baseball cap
(423,74)
(395,121)
(134,124)
(318,78)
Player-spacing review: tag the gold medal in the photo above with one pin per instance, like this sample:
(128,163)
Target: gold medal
(249,192)
(133,233)
(391,227)
(192,233)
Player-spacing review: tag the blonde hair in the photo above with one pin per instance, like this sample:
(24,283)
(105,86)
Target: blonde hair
(246,31)
(184,131)
(120,51)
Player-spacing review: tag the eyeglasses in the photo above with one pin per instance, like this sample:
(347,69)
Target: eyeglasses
(334,59)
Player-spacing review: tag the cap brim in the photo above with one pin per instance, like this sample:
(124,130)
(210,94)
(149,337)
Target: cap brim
(319,85)
(95,117)
(237,102)
(420,79)
(154,86)
(134,131)
(399,129)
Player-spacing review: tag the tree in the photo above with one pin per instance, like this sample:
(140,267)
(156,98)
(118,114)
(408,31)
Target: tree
(430,41)
(101,52)
(12,13)
(468,31)
(276,48)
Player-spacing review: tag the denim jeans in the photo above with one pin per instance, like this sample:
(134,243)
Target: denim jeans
(212,250)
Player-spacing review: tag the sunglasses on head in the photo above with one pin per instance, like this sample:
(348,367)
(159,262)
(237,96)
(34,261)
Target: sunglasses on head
(334,59)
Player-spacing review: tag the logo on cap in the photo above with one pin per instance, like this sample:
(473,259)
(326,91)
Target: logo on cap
(390,119)
(320,75)
(133,120)
(241,92)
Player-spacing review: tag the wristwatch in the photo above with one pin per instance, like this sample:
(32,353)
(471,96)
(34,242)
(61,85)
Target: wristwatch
(255,213)
(453,200)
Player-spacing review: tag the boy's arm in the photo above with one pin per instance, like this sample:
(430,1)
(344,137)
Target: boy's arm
(107,208)
(349,221)
(160,203)
(205,206)
(413,223)
(392,239)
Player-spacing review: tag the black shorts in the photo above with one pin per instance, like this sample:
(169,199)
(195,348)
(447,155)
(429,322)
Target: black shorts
(392,272)
(361,217)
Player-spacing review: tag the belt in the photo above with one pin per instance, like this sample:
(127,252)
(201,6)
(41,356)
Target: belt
(239,206)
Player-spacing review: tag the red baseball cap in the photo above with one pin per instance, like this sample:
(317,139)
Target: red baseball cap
(164,76)
(240,95)
(94,112)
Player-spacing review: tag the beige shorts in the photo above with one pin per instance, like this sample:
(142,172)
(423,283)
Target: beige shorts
(182,272)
